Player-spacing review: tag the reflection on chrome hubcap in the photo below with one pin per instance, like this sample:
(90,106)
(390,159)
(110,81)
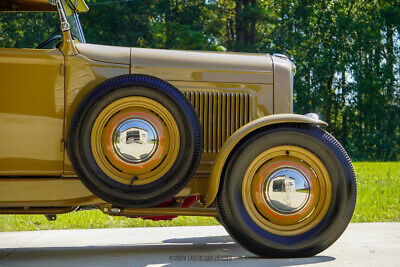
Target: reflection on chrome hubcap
(135,140)
(287,190)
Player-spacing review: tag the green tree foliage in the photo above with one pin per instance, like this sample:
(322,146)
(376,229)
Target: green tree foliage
(348,69)
(27,30)
(346,51)
(177,24)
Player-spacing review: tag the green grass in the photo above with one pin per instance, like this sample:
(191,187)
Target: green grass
(89,220)
(378,197)
(378,201)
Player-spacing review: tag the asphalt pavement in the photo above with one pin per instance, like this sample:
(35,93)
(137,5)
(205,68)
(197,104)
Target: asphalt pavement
(371,244)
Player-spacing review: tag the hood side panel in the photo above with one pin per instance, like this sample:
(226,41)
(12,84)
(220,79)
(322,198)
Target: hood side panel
(175,65)
(105,53)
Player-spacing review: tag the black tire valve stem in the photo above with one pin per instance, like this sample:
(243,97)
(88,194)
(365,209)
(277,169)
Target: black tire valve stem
(133,179)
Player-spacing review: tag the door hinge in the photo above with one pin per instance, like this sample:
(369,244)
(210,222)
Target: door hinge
(62,146)
(62,69)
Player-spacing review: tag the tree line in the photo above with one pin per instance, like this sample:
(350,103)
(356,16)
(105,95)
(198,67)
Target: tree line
(346,51)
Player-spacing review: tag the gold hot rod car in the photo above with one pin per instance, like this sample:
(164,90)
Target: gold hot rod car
(155,134)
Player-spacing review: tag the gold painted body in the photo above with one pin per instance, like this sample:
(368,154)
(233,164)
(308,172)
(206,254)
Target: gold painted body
(233,94)
(31,112)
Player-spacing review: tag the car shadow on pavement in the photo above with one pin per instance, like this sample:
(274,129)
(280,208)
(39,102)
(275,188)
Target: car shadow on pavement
(201,251)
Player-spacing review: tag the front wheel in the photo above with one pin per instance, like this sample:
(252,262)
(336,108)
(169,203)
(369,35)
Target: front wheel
(288,191)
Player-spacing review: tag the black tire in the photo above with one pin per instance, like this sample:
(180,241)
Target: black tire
(123,195)
(344,190)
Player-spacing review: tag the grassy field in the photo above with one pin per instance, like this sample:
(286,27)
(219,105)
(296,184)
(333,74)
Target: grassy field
(378,197)
(378,201)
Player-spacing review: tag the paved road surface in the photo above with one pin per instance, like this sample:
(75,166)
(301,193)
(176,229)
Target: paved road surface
(375,244)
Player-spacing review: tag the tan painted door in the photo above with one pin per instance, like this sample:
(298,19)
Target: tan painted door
(31,111)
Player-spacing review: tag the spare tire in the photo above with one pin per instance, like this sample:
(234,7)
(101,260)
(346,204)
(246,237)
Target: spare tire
(135,141)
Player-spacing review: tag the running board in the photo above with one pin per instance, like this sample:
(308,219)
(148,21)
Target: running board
(206,212)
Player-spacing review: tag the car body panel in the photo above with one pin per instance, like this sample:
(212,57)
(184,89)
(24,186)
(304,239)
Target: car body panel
(162,58)
(42,192)
(82,75)
(31,111)
(105,53)
(36,192)
(283,86)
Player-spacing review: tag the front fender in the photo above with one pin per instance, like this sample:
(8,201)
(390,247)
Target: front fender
(236,137)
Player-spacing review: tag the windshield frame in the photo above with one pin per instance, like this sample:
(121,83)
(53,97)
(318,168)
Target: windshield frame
(76,27)
(71,22)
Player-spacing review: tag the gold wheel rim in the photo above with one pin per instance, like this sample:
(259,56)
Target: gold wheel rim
(164,143)
(310,208)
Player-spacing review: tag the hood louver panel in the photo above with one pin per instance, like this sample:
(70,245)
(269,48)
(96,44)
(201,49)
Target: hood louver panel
(221,114)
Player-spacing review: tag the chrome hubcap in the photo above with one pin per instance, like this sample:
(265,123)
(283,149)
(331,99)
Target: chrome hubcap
(287,190)
(135,140)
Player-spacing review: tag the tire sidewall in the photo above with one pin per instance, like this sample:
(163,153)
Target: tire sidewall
(336,218)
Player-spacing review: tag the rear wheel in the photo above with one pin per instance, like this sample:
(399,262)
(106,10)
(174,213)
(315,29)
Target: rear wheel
(288,192)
